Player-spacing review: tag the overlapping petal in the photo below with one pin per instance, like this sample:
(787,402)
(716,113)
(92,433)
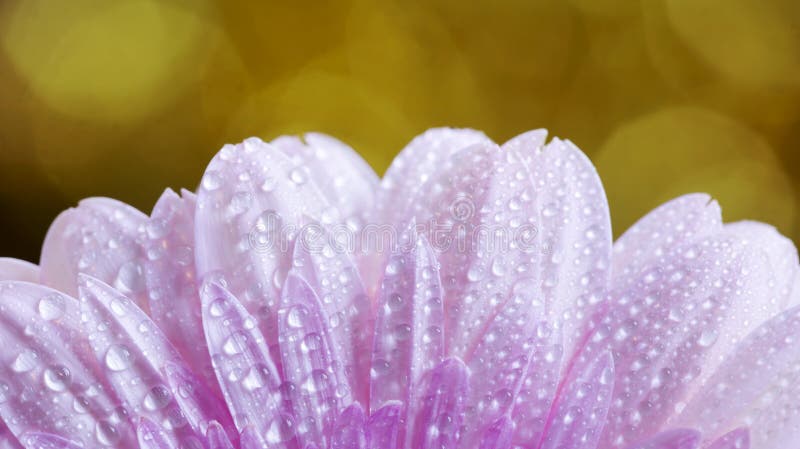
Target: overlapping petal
(18,270)
(266,312)
(171,279)
(101,238)
(49,380)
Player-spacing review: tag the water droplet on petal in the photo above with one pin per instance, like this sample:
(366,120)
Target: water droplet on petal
(269,184)
(235,344)
(57,378)
(296,316)
(130,278)
(118,358)
(25,361)
(218,307)
(707,338)
(257,377)
(298,176)
(280,429)
(106,433)
(4,393)
(52,307)
(157,398)
(211,181)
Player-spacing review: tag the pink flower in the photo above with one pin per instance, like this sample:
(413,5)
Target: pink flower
(469,299)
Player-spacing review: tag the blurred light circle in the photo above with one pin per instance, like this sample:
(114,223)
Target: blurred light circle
(390,48)
(743,59)
(104,61)
(680,150)
(752,42)
(318,99)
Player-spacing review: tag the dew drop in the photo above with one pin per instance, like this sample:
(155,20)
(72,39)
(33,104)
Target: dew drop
(402,332)
(218,307)
(296,316)
(317,381)
(474,274)
(130,278)
(106,433)
(211,180)
(311,342)
(498,267)
(235,344)
(4,393)
(257,377)
(379,368)
(550,210)
(395,302)
(156,229)
(118,358)
(432,334)
(298,176)
(280,429)
(25,361)
(80,404)
(52,307)
(57,378)
(240,202)
(269,184)
(157,398)
(707,338)
(393,267)
(335,320)
(117,307)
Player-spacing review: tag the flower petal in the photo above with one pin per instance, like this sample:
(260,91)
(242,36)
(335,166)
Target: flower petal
(415,165)
(671,439)
(677,222)
(780,251)
(542,227)
(135,354)
(245,370)
(346,311)
(499,434)
(100,238)
(349,430)
(195,399)
(579,411)
(7,439)
(217,437)
(473,192)
(575,230)
(49,381)
(503,363)
(169,271)
(763,395)
(538,390)
(672,321)
(309,363)
(527,145)
(250,439)
(151,436)
(18,270)
(383,426)
(736,439)
(408,333)
(441,407)
(38,440)
(250,204)
(342,175)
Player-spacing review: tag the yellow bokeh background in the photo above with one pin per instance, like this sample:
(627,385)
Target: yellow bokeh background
(127,97)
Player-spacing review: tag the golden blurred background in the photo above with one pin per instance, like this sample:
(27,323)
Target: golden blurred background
(127,97)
